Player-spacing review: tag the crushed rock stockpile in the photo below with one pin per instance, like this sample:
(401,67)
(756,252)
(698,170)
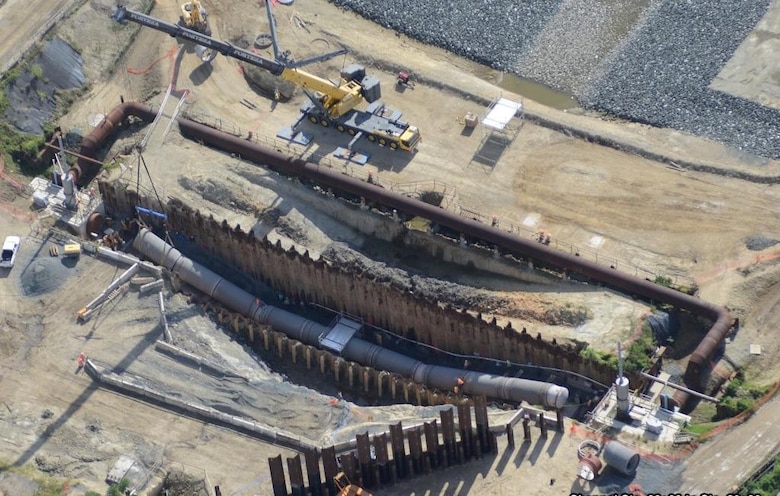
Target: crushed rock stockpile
(490,32)
(649,61)
(662,75)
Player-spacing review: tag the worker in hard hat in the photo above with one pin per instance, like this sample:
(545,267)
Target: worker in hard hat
(458,385)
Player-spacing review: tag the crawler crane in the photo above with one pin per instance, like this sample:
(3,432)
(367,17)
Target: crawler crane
(329,104)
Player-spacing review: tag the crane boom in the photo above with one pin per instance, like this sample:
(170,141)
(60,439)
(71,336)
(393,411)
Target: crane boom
(330,103)
(123,14)
(337,99)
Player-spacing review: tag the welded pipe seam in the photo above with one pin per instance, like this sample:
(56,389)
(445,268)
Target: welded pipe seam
(627,283)
(357,350)
(698,360)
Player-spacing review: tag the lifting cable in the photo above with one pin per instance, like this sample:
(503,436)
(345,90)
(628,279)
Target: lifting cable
(161,214)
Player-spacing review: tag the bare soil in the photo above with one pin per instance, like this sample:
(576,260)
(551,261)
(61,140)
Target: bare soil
(640,215)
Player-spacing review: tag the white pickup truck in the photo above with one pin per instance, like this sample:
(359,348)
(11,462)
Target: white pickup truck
(10,248)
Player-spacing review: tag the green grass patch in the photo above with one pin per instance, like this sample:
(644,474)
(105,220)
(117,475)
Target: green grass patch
(767,484)
(119,488)
(738,397)
(37,71)
(636,358)
(47,484)
(600,357)
(20,150)
(700,429)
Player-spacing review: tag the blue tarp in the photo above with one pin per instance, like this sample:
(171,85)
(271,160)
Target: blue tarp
(142,210)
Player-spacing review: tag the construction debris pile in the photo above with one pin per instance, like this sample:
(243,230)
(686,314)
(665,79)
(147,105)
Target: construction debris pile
(428,288)
(649,62)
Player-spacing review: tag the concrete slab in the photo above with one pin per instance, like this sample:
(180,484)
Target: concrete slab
(119,469)
(532,219)
(51,198)
(596,242)
(287,133)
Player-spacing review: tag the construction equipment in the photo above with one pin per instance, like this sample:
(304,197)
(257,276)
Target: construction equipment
(346,488)
(194,17)
(404,80)
(329,104)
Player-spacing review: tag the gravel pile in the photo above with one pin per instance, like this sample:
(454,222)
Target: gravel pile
(662,74)
(576,40)
(43,275)
(492,32)
(758,242)
(649,61)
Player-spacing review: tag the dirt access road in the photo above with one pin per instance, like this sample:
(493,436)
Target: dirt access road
(643,216)
(611,204)
(56,419)
(23,23)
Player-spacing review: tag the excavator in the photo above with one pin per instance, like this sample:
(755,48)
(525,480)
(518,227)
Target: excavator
(328,104)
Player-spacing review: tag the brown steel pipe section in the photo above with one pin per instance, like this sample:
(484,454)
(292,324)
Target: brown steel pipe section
(515,245)
(92,143)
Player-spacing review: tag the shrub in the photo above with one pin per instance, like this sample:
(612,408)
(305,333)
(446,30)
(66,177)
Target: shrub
(37,71)
(119,488)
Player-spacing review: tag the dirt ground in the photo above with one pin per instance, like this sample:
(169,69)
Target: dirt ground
(644,216)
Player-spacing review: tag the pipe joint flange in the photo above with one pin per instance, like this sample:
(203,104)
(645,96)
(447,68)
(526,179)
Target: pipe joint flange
(588,447)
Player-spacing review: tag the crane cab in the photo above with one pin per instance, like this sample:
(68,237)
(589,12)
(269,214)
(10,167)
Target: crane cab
(410,138)
(194,16)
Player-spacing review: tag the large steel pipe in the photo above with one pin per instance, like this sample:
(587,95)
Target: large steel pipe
(699,359)
(358,350)
(516,245)
(194,274)
(95,139)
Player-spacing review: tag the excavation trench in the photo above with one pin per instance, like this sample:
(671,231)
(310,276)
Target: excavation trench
(540,254)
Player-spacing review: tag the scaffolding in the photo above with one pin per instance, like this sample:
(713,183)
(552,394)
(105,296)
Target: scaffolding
(501,122)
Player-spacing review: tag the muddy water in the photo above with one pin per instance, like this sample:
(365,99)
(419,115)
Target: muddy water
(537,92)
(569,53)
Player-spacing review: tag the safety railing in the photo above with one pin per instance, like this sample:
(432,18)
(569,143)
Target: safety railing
(678,279)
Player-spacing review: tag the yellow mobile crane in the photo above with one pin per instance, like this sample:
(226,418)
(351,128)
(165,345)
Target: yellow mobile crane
(328,104)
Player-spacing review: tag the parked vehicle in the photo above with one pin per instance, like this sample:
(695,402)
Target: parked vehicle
(10,248)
